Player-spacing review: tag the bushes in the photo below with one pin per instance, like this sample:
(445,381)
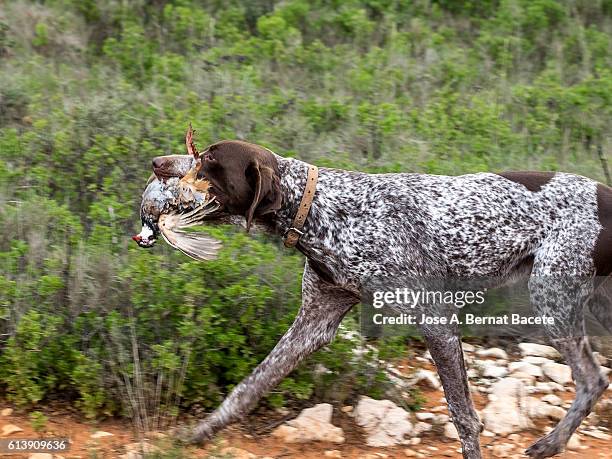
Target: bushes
(144,333)
(91,91)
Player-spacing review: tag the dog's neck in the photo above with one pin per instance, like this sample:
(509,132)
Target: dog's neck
(293,175)
(320,227)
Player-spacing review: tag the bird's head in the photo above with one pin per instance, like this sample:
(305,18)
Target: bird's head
(148,234)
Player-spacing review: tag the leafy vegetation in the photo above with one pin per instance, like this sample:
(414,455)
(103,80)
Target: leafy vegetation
(91,91)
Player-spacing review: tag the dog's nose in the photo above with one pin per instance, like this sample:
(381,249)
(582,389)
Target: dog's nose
(157,162)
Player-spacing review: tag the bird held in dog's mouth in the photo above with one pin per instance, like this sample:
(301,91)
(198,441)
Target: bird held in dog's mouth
(170,205)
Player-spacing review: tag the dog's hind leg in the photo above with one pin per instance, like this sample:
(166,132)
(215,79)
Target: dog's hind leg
(563,298)
(323,307)
(445,349)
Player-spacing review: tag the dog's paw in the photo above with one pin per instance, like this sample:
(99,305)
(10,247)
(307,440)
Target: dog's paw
(546,446)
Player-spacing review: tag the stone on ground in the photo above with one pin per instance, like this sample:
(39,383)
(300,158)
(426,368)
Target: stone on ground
(503,414)
(6,412)
(100,434)
(538,350)
(526,367)
(425,416)
(553,399)
(313,424)
(450,431)
(574,443)
(493,371)
(535,360)
(10,429)
(557,372)
(385,423)
(494,352)
(428,378)
(537,409)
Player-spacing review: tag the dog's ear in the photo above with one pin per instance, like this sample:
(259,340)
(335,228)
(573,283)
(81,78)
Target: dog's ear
(267,197)
(244,178)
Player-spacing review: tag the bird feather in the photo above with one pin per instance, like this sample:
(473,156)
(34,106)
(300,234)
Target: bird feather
(198,246)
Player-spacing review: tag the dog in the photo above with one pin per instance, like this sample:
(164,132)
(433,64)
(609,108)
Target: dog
(555,228)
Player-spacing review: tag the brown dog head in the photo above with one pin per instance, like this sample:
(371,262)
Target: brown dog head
(244,178)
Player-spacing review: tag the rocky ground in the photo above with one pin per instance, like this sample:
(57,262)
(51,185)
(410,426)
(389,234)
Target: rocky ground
(519,398)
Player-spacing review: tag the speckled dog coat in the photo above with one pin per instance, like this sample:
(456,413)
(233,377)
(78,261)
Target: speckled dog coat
(478,225)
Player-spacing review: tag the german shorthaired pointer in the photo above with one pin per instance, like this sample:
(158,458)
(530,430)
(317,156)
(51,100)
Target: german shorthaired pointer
(551,226)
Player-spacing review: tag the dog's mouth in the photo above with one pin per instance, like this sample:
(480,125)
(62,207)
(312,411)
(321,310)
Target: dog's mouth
(163,174)
(146,238)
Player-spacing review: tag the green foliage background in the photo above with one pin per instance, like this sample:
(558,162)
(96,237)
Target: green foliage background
(91,91)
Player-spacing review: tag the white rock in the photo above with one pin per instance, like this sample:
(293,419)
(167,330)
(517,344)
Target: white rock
(440,419)
(494,352)
(493,371)
(385,423)
(487,433)
(313,424)
(439,409)
(420,428)
(525,367)
(414,441)
(333,453)
(538,350)
(450,431)
(574,443)
(6,412)
(598,434)
(100,434)
(553,399)
(467,347)
(10,429)
(425,416)
(409,453)
(538,409)
(600,359)
(559,373)
(503,414)
(429,378)
(40,456)
(543,387)
(533,360)
(346,409)
(526,378)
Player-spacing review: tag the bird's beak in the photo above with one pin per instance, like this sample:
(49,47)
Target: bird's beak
(146,237)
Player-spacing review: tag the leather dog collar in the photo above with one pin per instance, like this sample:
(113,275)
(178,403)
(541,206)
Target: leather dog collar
(293,234)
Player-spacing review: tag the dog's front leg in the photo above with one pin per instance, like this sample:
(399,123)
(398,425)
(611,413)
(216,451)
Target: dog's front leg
(445,348)
(323,307)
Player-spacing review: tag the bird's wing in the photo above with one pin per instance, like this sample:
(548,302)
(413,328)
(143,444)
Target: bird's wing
(198,246)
